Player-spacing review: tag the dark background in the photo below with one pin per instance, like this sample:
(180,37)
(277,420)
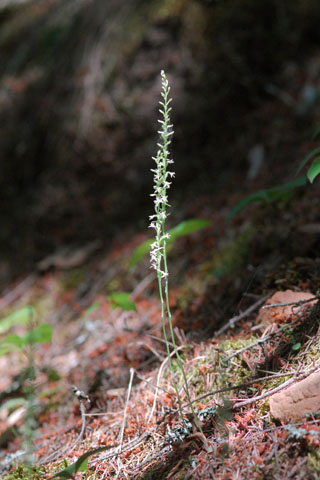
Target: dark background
(79,88)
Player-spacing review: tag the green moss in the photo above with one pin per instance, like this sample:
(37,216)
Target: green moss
(26,472)
(314,461)
(313,354)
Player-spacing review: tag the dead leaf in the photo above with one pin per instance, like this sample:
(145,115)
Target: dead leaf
(297,400)
(282,314)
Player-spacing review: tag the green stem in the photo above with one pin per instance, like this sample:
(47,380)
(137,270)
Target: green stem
(179,359)
(167,343)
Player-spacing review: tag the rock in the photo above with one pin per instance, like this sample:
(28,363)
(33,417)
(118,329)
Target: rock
(295,401)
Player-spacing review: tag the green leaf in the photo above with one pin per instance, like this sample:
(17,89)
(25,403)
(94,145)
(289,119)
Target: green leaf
(11,342)
(53,375)
(121,300)
(267,195)
(314,170)
(187,227)
(296,346)
(184,228)
(225,411)
(79,466)
(20,317)
(91,309)
(13,403)
(307,158)
(40,334)
(140,252)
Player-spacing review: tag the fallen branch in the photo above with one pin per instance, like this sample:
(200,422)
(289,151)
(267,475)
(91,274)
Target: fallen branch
(241,385)
(297,377)
(54,455)
(261,340)
(158,383)
(126,408)
(297,304)
(231,323)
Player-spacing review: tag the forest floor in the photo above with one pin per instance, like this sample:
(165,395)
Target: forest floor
(234,355)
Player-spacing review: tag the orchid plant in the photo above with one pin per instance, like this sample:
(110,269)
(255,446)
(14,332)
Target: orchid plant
(158,255)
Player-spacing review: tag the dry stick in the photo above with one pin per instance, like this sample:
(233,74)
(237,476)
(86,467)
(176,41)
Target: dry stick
(241,385)
(127,446)
(231,323)
(261,340)
(58,453)
(151,384)
(119,463)
(158,382)
(277,389)
(125,409)
(83,426)
(267,337)
(297,468)
(148,460)
(298,304)
(256,430)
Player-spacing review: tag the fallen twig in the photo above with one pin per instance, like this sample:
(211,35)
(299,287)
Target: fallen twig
(158,382)
(261,340)
(125,408)
(58,453)
(298,303)
(127,446)
(231,323)
(296,378)
(297,468)
(241,385)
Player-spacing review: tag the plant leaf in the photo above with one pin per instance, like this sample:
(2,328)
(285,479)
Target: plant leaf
(267,195)
(187,227)
(13,403)
(225,411)
(308,157)
(20,317)
(11,342)
(314,170)
(122,300)
(40,334)
(184,228)
(79,466)
(140,252)
(92,308)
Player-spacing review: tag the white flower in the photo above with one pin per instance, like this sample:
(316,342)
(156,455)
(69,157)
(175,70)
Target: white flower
(164,237)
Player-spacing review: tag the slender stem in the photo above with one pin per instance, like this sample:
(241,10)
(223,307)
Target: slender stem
(167,343)
(179,359)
